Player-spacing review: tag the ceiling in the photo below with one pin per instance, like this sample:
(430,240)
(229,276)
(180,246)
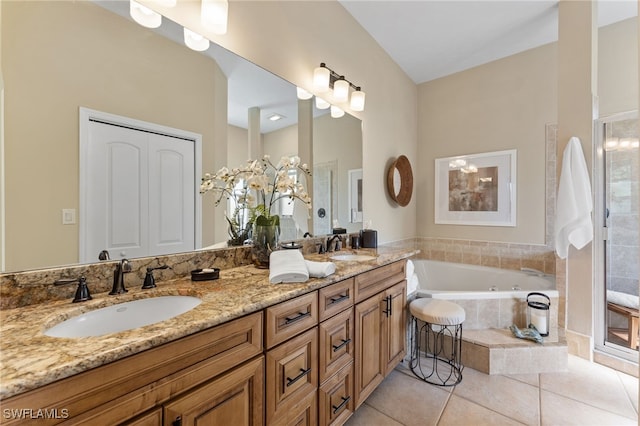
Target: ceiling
(431,39)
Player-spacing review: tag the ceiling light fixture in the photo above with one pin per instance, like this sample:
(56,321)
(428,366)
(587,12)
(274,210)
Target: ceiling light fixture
(324,79)
(276,117)
(144,16)
(195,41)
(214,15)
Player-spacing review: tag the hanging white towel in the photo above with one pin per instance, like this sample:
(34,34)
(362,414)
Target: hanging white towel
(573,205)
(287,266)
(320,269)
(301,210)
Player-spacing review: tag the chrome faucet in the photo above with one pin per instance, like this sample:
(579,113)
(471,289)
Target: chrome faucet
(118,277)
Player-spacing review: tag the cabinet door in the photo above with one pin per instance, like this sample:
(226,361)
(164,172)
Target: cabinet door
(369,370)
(336,344)
(292,374)
(394,325)
(232,399)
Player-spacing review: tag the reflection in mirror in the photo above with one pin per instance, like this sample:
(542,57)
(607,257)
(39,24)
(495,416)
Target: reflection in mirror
(60,56)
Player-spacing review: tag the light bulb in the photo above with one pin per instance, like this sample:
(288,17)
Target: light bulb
(341,90)
(336,112)
(357,100)
(144,16)
(321,103)
(321,79)
(213,15)
(195,41)
(303,94)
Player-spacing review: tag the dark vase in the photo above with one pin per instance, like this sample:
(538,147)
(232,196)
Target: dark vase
(266,232)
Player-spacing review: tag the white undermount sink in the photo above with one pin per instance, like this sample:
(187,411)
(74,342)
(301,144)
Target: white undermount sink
(124,316)
(352,257)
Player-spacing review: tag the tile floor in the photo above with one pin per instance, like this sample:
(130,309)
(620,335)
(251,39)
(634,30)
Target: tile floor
(587,394)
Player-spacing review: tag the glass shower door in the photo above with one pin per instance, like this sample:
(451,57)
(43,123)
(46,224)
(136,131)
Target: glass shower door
(619,245)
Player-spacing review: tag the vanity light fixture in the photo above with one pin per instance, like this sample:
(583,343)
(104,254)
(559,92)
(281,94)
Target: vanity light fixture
(195,41)
(336,112)
(341,90)
(321,103)
(303,94)
(324,79)
(143,15)
(214,14)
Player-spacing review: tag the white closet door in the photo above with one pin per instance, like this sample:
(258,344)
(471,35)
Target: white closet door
(116,189)
(140,193)
(171,195)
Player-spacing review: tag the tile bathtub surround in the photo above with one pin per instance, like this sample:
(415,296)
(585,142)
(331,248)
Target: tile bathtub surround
(486,253)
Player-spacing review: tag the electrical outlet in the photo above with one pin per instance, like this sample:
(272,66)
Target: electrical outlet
(68,216)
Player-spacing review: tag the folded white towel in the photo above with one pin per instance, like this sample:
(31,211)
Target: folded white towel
(574,204)
(624,299)
(410,268)
(412,283)
(320,269)
(287,266)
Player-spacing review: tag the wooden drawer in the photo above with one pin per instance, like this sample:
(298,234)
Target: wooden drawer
(335,298)
(373,282)
(287,319)
(336,398)
(123,389)
(234,398)
(292,373)
(336,344)
(304,413)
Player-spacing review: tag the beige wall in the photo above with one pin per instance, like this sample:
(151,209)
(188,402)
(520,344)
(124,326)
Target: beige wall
(47,83)
(282,142)
(307,33)
(502,105)
(617,66)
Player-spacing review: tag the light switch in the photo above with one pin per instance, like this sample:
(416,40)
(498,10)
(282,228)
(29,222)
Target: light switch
(68,216)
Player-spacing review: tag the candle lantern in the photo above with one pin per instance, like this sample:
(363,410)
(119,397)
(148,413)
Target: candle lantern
(538,312)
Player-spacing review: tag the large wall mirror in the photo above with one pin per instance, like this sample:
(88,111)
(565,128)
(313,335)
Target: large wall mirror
(60,56)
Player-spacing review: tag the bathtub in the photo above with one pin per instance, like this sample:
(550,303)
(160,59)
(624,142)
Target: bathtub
(491,297)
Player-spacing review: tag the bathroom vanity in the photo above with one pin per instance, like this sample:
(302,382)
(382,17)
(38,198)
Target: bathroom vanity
(251,353)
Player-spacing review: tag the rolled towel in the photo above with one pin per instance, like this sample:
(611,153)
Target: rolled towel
(287,266)
(413,283)
(320,269)
(410,268)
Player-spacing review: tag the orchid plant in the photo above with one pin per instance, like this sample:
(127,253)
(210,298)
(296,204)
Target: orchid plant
(255,189)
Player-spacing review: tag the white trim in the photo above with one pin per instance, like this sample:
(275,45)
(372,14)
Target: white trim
(87,114)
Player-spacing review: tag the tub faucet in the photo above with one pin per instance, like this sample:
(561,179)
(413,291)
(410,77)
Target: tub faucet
(118,277)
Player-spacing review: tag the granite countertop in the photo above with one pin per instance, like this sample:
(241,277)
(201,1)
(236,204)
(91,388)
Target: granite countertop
(29,359)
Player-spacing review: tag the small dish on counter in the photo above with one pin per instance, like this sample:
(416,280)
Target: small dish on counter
(205,274)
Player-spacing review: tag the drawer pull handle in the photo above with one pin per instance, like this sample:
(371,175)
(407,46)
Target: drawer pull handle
(336,348)
(303,373)
(300,315)
(345,400)
(338,299)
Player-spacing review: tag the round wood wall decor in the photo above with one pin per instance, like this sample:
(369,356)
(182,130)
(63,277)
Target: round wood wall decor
(400,181)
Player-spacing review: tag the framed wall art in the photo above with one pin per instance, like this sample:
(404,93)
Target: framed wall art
(476,189)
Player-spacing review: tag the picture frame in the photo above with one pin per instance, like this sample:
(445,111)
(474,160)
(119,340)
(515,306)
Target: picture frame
(355,195)
(476,189)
